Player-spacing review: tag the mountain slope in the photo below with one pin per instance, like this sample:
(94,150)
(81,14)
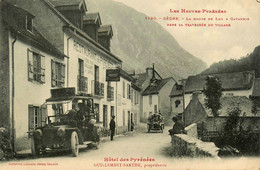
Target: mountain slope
(248,63)
(139,42)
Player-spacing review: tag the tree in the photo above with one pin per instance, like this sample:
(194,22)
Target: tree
(213,93)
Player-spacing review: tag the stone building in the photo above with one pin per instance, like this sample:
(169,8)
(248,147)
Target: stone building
(233,84)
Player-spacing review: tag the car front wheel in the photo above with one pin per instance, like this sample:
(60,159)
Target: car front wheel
(74,144)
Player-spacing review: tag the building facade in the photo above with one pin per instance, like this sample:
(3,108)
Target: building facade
(32,66)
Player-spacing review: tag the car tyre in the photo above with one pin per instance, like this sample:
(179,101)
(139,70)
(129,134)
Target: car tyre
(74,144)
(34,149)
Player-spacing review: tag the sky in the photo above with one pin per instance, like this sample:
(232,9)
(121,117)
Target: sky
(211,44)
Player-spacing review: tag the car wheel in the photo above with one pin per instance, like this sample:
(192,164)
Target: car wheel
(34,149)
(74,144)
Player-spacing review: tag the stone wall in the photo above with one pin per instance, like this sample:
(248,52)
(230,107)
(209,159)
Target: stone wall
(192,130)
(187,146)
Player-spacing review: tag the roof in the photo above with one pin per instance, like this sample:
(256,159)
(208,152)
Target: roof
(136,87)
(105,30)
(229,102)
(17,24)
(256,88)
(176,91)
(92,18)
(125,75)
(140,78)
(230,81)
(154,89)
(79,32)
(65,2)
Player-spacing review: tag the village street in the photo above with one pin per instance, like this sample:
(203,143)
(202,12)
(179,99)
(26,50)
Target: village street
(138,150)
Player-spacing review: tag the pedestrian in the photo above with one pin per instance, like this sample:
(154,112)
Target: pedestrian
(112,125)
(177,128)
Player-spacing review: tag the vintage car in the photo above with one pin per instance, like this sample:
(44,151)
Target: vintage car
(155,122)
(65,130)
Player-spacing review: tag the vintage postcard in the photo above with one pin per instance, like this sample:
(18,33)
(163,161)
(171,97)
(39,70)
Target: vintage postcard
(130,84)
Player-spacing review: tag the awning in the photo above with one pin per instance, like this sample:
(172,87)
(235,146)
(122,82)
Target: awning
(62,100)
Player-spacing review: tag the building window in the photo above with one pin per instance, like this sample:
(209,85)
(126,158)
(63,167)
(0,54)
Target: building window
(132,95)
(155,108)
(128,91)
(123,117)
(29,23)
(96,110)
(177,103)
(81,67)
(82,81)
(57,74)
(37,116)
(136,97)
(36,67)
(112,111)
(96,73)
(123,89)
(150,99)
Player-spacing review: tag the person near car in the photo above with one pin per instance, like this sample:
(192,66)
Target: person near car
(112,126)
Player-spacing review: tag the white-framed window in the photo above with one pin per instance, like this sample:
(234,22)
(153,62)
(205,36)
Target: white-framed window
(128,91)
(36,116)
(36,67)
(155,109)
(136,97)
(150,99)
(29,23)
(57,74)
(123,91)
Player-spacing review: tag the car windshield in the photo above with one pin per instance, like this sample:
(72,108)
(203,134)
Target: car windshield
(81,110)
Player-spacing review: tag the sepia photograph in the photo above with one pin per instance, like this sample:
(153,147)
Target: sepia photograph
(130,84)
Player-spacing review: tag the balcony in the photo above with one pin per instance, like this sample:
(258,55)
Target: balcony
(82,84)
(110,93)
(97,89)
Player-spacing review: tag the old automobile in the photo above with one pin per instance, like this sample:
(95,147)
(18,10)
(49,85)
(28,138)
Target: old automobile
(69,123)
(155,122)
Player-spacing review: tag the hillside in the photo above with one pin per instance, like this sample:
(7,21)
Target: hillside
(250,62)
(139,42)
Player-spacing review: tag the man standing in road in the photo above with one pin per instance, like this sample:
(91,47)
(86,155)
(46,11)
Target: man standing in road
(112,125)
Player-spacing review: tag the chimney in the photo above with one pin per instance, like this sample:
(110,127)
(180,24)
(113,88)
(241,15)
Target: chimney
(149,72)
(105,34)
(196,95)
(91,24)
(153,72)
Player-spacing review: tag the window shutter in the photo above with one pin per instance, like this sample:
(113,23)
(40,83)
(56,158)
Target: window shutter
(131,93)
(62,74)
(53,83)
(42,69)
(43,113)
(30,65)
(31,117)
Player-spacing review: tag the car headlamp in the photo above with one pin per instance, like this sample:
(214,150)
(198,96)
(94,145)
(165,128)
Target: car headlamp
(61,131)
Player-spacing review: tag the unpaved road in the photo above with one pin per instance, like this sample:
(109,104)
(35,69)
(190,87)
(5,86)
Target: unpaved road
(138,150)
